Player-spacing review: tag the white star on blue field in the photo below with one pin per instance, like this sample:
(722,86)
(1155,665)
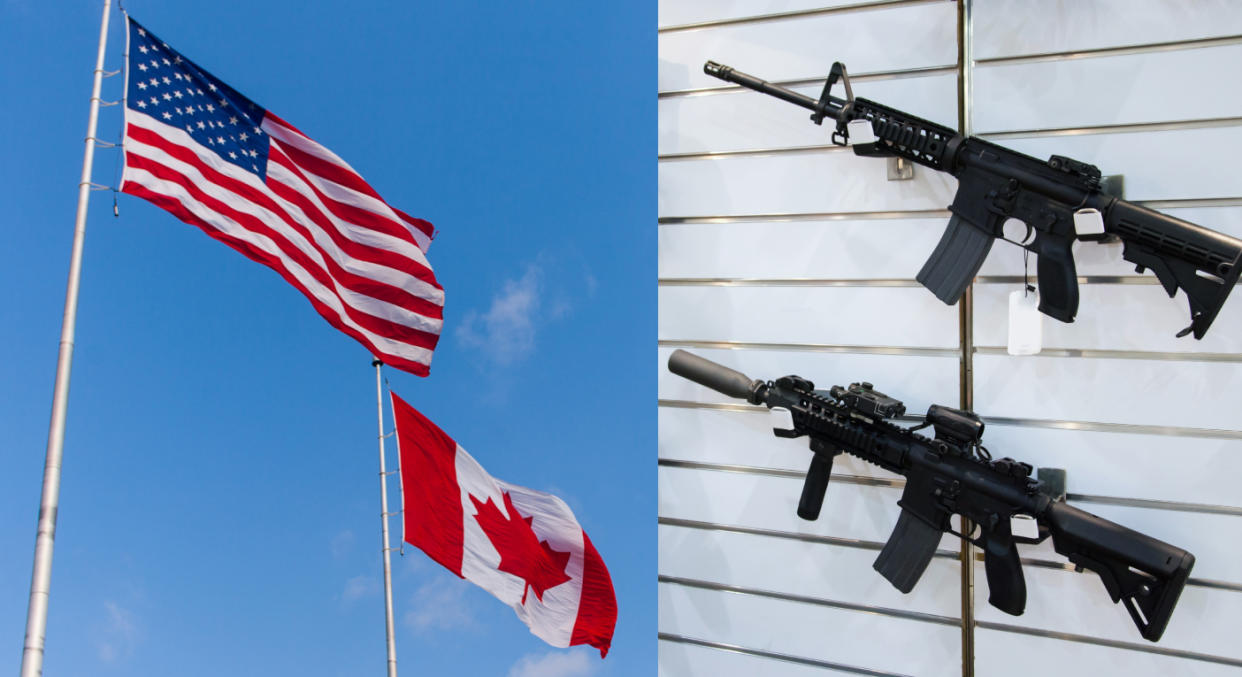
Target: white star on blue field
(219,508)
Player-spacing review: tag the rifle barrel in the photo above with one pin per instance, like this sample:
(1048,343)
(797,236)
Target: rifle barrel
(728,74)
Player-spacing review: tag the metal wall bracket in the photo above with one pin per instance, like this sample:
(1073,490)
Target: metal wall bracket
(900,169)
(1053,482)
(1114,184)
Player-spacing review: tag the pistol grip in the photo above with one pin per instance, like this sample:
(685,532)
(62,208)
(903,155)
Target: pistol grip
(1058,278)
(815,486)
(1006,586)
(956,260)
(908,551)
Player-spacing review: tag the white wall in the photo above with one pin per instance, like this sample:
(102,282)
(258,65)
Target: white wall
(781,254)
(1110,108)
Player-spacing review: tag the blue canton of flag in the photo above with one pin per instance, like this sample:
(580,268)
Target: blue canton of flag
(217,160)
(167,86)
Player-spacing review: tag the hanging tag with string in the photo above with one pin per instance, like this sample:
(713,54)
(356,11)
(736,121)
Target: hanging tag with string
(1026,323)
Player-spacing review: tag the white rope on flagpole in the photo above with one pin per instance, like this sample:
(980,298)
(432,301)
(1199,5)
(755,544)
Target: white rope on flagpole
(41,576)
(379,404)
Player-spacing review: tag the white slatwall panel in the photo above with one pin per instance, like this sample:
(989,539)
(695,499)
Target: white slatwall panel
(805,315)
(684,660)
(803,183)
(1105,90)
(877,40)
(1022,655)
(846,219)
(1137,390)
(808,569)
(690,12)
(1017,27)
(850,249)
(876,641)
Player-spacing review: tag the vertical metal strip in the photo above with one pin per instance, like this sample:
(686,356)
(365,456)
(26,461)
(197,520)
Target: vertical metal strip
(965,314)
(383,474)
(45,534)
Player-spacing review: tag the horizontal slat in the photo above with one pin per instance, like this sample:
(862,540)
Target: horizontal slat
(1142,392)
(1205,620)
(746,120)
(679,14)
(916,380)
(1021,655)
(806,183)
(688,657)
(1012,27)
(850,510)
(1114,317)
(861,249)
(837,635)
(911,36)
(796,567)
(1192,470)
(1157,165)
(821,315)
(1104,91)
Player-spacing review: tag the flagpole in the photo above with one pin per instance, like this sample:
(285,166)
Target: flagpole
(41,576)
(379,405)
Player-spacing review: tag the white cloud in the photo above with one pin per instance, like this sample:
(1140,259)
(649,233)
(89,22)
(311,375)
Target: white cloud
(358,587)
(506,332)
(441,604)
(118,633)
(342,544)
(555,664)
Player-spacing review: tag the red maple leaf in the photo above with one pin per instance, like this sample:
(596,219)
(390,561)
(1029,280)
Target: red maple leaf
(521,552)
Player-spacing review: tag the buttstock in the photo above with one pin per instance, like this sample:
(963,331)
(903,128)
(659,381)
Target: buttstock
(1144,574)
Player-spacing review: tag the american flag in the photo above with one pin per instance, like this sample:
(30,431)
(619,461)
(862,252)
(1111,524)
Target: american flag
(217,160)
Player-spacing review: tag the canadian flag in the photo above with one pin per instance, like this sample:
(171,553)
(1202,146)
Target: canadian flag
(523,546)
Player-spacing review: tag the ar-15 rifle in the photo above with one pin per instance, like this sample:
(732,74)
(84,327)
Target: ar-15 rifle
(954,473)
(996,183)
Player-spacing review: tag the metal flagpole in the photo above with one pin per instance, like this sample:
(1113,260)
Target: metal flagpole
(379,404)
(41,577)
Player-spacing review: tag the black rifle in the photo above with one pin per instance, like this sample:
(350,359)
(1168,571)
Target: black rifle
(954,473)
(996,183)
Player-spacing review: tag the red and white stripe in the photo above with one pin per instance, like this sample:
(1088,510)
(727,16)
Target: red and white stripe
(315,221)
(441,487)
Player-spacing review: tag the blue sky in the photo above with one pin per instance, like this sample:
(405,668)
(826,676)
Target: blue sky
(219,507)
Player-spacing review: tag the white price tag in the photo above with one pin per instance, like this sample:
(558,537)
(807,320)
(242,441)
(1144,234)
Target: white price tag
(1023,526)
(1088,222)
(1026,323)
(860,132)
(781,418)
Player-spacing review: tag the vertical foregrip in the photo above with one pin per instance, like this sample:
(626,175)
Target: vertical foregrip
(815,486)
